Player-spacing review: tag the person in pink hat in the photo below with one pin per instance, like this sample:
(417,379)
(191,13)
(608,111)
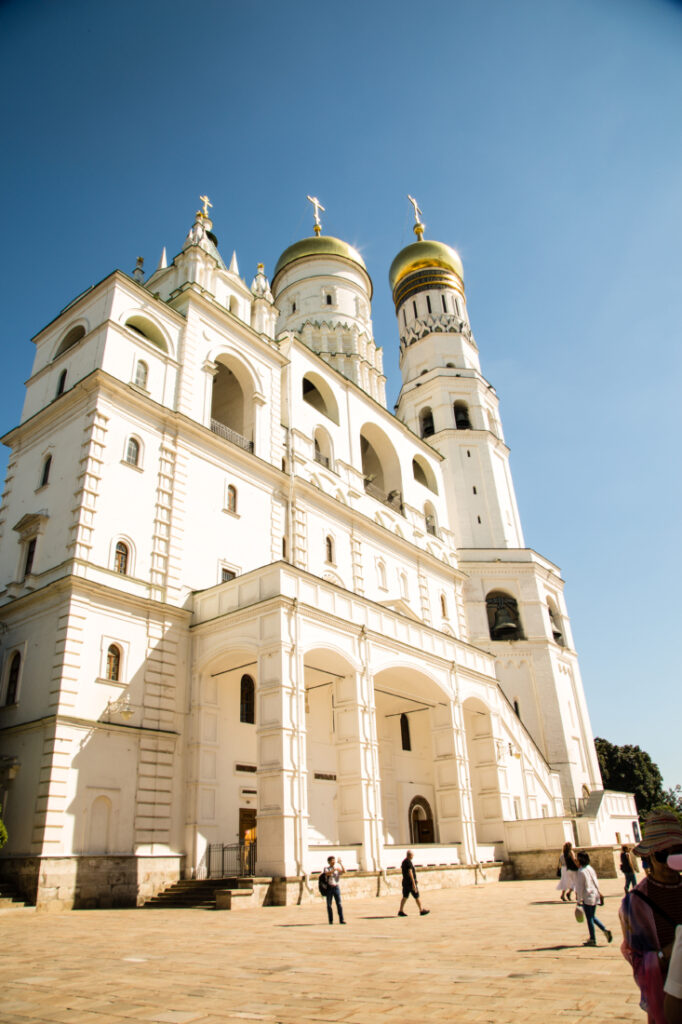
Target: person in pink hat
(672,1004)
(651,912)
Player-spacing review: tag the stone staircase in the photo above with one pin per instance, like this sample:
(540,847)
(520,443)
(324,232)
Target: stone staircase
(201,894)
(9,897)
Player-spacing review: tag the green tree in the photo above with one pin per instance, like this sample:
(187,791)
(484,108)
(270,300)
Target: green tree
(3,834)
(630,770)
(671,800)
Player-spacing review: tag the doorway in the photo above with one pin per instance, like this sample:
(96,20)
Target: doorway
(421,821)
(247,839)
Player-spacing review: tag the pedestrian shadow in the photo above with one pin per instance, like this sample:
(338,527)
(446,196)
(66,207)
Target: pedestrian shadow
(551,949)
(315,924)
(546,903)
(379,917)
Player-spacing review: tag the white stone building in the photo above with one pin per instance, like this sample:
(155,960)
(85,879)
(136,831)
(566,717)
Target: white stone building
(240,598)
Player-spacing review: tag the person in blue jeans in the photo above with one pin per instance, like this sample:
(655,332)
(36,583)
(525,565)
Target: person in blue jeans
(333,871)
(627,867)
(587,896)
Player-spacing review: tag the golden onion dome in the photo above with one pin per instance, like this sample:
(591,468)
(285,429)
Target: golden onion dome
(319,245)
(422,255)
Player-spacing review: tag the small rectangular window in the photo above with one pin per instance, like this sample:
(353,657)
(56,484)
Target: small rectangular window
(30,555)
(329,300)
(428,303)
(445,307)
(474,490)
(226,575)
(414,307)
(478,518)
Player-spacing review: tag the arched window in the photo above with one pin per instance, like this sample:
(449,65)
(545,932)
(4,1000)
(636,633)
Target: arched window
(555,624)
(423,474)
(113,663)
(61,383)
(426,428)
(141,374)
(504,621)
(132,452)
(329,549)
(45,476)
(462,421)
(322,448)
(147,330)
(405,733)
(443,606)
(232,498)
(381,573)
(403,585)
(121,558)
(70,339)
(316,392)
(517,709)
(247,701)
(430,519)
(13,679)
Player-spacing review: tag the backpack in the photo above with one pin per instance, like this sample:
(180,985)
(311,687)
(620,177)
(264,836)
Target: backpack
(323,883)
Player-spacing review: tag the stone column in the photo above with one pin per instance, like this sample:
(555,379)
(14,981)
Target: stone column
(282,759)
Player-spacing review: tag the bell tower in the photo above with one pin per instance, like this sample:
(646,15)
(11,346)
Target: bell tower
(444,396)
(513,596)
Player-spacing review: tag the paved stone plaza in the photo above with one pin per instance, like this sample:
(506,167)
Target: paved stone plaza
(497,953)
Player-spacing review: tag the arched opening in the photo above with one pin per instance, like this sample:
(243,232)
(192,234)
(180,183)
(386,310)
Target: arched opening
(247,700)
(423,474)
(421,821)
(121,556)
(443,606)
(430,520)
(147,329)
(99,826)
(329,549)
(141,374)
(70,339)
(13,679)
(381,575)
(45,475)
(504,620)
(61,384)
(317,393)
(323,448)
(556,625)
(462,421)
(232,404)
(113,664)
(133,452)
(426,427)
(381,467)
(232,499)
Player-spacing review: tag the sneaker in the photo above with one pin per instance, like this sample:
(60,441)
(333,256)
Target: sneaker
(609,935)
(422,912)
(590,942)
(401,913)
(342,922)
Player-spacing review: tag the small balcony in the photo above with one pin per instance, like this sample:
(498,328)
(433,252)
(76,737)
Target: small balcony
(393,499)
(231,435)
(323,460)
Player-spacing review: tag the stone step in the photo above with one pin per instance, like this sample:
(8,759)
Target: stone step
(192,892)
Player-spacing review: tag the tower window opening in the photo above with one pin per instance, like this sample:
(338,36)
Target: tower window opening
(414,307)
(404,319)
(478,519)
(405,737)
(445,305)
(329,549)
(121,558)
(474,490)
(227,574)
(517,709)
(30,555)
(329,300)
(232,499)
(293,307)
(13,680)
(504,621)
(247,701)
(61,383)
(428,303)
(113,664)
(141,374)
(45,478)
(426,426)
(284,548)
(462,421)
(468,454)
(555,625)
(132,452)
(443,606)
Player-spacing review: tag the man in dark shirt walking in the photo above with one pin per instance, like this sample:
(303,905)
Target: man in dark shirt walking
(409,885)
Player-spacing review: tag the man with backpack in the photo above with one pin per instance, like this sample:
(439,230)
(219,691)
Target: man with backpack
(330,888)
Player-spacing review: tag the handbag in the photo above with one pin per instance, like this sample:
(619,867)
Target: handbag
(579,914)
(558,871)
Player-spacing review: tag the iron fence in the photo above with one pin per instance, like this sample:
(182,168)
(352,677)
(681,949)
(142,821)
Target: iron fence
(231,435)
(228,860)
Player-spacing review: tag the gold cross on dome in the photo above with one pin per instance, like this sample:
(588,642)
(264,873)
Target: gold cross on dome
(207,202)
(317,206)
(417,211)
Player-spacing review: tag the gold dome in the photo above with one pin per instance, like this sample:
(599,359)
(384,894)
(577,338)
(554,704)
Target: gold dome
(318,245)
(421,255)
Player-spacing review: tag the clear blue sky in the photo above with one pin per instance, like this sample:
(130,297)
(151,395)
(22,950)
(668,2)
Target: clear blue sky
(543,139)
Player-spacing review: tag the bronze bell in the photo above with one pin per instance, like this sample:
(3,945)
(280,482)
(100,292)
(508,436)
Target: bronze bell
(504,623)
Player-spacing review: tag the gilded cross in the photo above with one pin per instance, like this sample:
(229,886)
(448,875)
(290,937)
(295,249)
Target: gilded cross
(417,211)
(206,201)
(317,206)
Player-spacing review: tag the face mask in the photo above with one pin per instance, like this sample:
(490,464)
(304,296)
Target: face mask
(675,861)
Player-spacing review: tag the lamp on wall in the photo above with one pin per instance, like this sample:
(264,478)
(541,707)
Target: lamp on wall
(121,706)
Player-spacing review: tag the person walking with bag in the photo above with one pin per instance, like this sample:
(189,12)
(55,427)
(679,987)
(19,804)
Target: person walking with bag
(627,866)
(333,873)
(410,885)
(588,897)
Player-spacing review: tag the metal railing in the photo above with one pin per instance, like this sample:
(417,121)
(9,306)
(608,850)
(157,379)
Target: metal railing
(228,860)
(392,500)
(322,459)
(231,435)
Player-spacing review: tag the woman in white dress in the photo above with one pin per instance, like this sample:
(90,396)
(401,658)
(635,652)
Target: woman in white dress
(569,870)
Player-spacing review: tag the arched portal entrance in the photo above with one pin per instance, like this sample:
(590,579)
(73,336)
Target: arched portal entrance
(421,821)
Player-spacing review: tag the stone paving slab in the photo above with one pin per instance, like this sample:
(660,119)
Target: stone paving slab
(489,954)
